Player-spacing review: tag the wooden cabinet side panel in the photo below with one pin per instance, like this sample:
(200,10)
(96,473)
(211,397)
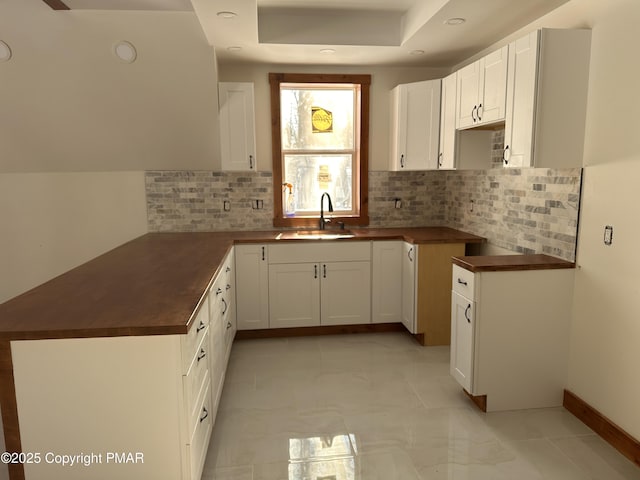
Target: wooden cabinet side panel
(100,395)
(434,291)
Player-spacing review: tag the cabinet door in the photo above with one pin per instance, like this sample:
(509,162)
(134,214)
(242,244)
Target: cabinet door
(493,87)
(416,127)
(462,340)
(237,128)
(521,101)
(294,295)
(345,293)
(252,287)
(446,157)
(386,282)
(467,93)
(409,260)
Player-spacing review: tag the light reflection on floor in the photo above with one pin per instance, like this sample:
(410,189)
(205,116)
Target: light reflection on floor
(381,407)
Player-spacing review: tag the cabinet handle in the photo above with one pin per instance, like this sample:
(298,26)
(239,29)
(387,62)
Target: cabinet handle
(218,291)
(201,355)
(224,303)
(228,287)
(228,325)
(462,282)
(473,114)
(440,159)
(402,161)
(324,271)
(250,161)
(466,310)
(315,271)
(409,254)
(227,270)
(205,414)
(478,113)
(506,155)
(201,327)
(263,254)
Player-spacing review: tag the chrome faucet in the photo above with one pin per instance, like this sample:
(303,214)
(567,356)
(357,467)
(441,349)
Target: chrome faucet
(323,222)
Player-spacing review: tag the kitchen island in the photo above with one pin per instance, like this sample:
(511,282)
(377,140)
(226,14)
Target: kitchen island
(130,310)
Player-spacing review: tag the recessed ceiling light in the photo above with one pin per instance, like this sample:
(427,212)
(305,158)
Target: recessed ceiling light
(5,52)
(234,48)
(327,51)
(125,51)
(227,14)
(455,21)
(416,52)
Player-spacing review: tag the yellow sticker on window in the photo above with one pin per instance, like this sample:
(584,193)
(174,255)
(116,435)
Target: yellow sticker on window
(324,177)
(321,120)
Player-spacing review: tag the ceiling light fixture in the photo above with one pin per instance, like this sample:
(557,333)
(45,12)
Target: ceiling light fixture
(416,52)
(455,21)
(327,51)
(5,52)
(227,14)
(125,51)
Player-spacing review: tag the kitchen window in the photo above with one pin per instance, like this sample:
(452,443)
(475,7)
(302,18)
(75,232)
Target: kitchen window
(320,138)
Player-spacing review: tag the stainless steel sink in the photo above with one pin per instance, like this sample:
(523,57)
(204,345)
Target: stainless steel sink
(316,235)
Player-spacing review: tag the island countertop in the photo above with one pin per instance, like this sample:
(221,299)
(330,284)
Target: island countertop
(152,285)
(503,263)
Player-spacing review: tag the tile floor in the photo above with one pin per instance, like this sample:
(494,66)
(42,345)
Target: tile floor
(379,406)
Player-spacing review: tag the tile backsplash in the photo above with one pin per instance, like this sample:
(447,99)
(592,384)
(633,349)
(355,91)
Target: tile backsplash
(532,210)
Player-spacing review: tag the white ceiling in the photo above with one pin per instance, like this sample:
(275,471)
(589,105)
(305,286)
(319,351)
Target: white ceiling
(361,32)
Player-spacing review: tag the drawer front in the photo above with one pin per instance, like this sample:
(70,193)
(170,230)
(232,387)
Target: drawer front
(199,443)
(192,340)
(196,380)
(327,251)
(463,282)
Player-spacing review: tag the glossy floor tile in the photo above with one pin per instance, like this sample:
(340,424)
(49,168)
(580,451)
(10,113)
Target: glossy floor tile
(382,407)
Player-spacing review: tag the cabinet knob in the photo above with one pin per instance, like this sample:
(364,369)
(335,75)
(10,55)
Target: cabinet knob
(201,326)
(466,311)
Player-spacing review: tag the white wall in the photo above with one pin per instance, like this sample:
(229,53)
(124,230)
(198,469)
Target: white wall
(382,81)
(78,127)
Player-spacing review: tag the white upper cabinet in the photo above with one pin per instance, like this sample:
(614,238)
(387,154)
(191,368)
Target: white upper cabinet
(415,125)
(546,99)
(446,156)
(237,126)
(481,91)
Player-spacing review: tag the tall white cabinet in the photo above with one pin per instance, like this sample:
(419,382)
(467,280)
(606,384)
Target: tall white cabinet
(237,126)
(415,125)
(447,152)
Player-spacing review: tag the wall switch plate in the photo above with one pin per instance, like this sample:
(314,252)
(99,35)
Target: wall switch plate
(608,235)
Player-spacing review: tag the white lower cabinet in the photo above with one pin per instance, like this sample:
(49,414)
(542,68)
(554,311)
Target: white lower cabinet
(252,286)
(319,284)
(510,335)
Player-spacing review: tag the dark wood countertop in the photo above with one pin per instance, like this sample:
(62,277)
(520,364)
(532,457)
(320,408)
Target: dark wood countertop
(152,285)
(499,263)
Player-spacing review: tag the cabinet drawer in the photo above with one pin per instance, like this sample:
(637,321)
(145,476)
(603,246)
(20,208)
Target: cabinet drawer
(463,282)
(337,251)
(196,380)
(192,340)
(199,442)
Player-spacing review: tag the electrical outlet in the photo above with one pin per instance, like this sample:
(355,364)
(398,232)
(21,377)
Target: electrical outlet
(608,235)
(226,205)
(398,203)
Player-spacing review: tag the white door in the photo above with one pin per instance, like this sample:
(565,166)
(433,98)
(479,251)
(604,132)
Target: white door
(493,87)
(294,295)
(521,102)
(462,340)
(386,282)
(252,287)
(468,87)
(237,126)
(346,293)
(446,157)
(409,260)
